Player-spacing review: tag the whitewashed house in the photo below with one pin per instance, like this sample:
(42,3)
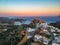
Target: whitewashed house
(17,23)
(30,32)
(43,25)
(37,37)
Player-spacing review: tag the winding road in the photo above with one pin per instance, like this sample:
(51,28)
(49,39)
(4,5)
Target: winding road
(52,35)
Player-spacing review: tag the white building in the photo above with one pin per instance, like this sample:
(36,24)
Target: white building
(57,39)
(54,34)
(55,44)
(52,30)
(45,40)
(43,25)
(37,37)
(4,29)
(30,30)
(17,23)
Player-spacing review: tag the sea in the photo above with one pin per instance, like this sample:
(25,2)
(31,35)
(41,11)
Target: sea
(47,19)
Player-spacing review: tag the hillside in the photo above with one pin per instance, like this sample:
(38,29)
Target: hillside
(57,24)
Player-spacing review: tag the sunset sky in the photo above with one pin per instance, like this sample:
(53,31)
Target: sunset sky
(29,7)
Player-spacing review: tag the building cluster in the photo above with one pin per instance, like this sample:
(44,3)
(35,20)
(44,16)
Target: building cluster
(38,32)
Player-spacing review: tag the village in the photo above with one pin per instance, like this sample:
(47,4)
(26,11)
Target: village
(38,32)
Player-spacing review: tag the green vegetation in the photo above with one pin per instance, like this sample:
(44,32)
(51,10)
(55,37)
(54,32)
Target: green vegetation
(46,35)
(37,43)
(11,36)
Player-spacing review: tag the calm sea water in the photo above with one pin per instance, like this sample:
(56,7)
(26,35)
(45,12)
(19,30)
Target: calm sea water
(48,19)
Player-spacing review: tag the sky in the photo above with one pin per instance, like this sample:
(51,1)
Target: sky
(29,7)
